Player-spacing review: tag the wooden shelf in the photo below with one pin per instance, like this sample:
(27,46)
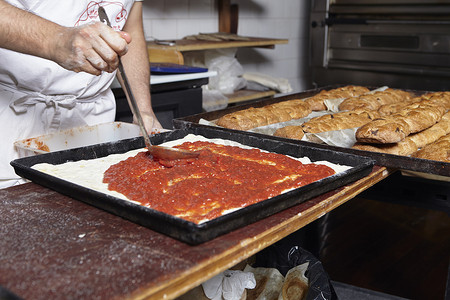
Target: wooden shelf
(196,45)
(174,54)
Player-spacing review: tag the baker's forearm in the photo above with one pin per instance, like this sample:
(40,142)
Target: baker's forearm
(136,65)
(25,32)
(91,48)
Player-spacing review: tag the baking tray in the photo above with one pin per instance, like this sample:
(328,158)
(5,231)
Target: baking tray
(382,159)
(178,228)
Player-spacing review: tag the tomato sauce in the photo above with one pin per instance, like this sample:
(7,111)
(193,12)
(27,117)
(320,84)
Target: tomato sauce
(203,188)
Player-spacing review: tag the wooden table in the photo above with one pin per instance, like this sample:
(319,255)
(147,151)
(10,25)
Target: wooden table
(52,246)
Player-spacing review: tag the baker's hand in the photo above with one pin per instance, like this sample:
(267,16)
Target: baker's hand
(91,48)
(150,121)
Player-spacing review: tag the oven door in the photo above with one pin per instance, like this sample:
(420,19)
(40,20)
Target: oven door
(404,44)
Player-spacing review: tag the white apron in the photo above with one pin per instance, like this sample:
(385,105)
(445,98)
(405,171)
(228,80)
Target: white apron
(37,96)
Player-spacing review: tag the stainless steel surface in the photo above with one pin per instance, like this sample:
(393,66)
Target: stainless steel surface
(403,44)
(156,151)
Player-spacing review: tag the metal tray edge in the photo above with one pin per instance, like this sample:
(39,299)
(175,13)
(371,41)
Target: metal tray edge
(180,229)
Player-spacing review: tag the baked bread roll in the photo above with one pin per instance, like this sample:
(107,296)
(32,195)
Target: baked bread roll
(339,121)
(373,101)
(405,147)
(394,128)
(295,286)
(290,132)
(439,150)
(269,282)
(270,114)
(383,131)
(433,133)
(413,142)
(329,122)
(439,98)
(317,101)
(393,108)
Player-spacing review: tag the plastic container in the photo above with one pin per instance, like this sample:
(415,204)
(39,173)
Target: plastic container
(77,137)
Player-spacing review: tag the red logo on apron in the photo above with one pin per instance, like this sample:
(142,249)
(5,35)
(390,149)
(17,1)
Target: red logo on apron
(91,13)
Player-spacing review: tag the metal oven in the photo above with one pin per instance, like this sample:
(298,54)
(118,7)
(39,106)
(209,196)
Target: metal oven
(399,43)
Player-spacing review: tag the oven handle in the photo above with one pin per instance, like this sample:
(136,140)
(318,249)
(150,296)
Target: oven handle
(362,21)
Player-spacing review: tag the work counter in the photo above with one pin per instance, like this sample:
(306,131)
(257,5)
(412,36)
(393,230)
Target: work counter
(52,245)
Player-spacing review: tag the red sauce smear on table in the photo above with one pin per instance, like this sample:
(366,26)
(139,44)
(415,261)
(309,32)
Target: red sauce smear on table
(203,188)
(41,146)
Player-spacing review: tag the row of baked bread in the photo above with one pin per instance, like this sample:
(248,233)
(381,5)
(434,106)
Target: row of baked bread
(286,110)
(409,127)
(359,110)
(431,143)
(396,127)
(438,150)
(392,121)
(298,108)
(404,127)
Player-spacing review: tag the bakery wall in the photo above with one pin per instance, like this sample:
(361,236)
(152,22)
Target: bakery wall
(174,19)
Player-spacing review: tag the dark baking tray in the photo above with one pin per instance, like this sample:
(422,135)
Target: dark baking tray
(382,159)
(178,228)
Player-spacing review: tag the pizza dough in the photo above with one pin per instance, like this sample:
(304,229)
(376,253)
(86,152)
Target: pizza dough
(89,173)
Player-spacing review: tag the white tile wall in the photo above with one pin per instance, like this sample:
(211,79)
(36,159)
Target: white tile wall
(174,19)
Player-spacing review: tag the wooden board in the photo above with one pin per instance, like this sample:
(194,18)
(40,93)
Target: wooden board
(165,56)
(193,45)
(52,245)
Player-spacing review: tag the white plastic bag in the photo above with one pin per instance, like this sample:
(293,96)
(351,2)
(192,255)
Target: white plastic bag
(229,71)
(229,74)
(213,99)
